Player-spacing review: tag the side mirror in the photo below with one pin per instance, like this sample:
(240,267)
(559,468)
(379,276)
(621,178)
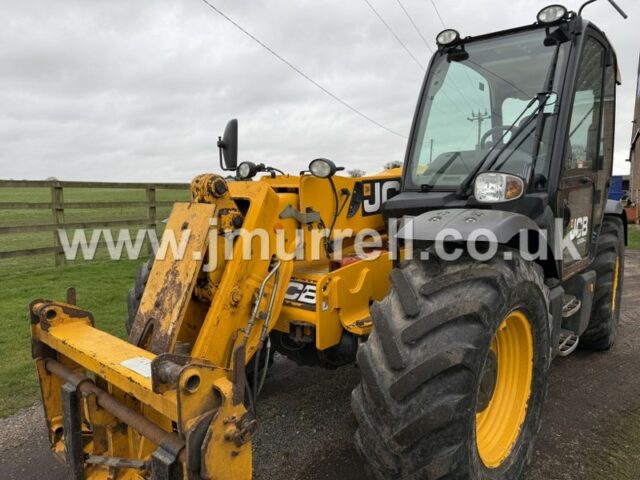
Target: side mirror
(228,145)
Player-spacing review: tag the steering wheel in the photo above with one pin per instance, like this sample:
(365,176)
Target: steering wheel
(499,129)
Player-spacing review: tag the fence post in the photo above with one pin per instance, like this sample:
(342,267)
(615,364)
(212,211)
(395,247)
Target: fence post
(57,211)
(151,213)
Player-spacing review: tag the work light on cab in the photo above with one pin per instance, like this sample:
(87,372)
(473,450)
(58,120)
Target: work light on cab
(447,37)
(552,14)
(492,187)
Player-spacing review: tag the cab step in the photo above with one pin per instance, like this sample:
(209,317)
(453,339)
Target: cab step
(568,342)
(570,306)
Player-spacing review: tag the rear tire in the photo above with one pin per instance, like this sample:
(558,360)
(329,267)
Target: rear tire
(609,267)
(424,370)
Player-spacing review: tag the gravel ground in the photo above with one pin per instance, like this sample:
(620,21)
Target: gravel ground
(591,420)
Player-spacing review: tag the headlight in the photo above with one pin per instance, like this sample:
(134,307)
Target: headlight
(246,170)
(552,14)
(492,187)
(322,168)
(447,37)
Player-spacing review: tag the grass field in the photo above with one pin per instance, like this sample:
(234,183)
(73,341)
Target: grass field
(101,287)
(101,284)
(634,237)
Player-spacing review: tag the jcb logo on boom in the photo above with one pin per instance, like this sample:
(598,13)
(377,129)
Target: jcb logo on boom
(376,193)
(579,229)
(301,294)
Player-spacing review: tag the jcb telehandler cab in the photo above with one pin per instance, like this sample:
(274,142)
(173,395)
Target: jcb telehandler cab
(508,255)
(455,372)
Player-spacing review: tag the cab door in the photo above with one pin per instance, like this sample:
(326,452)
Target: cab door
(581,165)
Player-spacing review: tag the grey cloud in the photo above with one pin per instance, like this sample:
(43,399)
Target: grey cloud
(140,90)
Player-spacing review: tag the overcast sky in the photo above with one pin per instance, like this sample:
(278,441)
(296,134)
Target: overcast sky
(139,91)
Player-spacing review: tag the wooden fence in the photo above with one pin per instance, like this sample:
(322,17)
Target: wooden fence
(57,206)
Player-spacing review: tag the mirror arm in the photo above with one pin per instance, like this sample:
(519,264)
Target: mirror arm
(220,153)
(221,146)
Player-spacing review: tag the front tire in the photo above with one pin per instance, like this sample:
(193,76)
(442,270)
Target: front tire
(134,295)
(454,374)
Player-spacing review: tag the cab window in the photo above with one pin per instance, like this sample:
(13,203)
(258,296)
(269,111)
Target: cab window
(583,137)
(608,113)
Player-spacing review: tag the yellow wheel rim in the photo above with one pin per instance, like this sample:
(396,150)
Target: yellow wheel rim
(616,274)
(499,422)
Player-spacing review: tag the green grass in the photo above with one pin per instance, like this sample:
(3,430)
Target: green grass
(101,288)
(101,284)
(634,237)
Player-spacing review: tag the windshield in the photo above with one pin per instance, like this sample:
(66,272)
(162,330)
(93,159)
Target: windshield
(478,107)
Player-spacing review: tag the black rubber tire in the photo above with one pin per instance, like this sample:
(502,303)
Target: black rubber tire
(421,367)
(603,325)
(135,293)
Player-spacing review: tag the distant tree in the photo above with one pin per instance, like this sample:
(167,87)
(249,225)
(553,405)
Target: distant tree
(393,164)
(52,179)
(356,172)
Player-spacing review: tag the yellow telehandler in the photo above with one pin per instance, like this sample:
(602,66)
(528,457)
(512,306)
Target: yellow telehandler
(180,383)
(452,283)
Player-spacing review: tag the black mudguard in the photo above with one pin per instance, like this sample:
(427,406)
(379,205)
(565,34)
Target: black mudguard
(504,225)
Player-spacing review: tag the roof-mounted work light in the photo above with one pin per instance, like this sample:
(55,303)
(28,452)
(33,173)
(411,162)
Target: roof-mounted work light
(552,14)
(447,37)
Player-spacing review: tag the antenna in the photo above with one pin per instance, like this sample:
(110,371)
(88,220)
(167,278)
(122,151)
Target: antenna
(613,4)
